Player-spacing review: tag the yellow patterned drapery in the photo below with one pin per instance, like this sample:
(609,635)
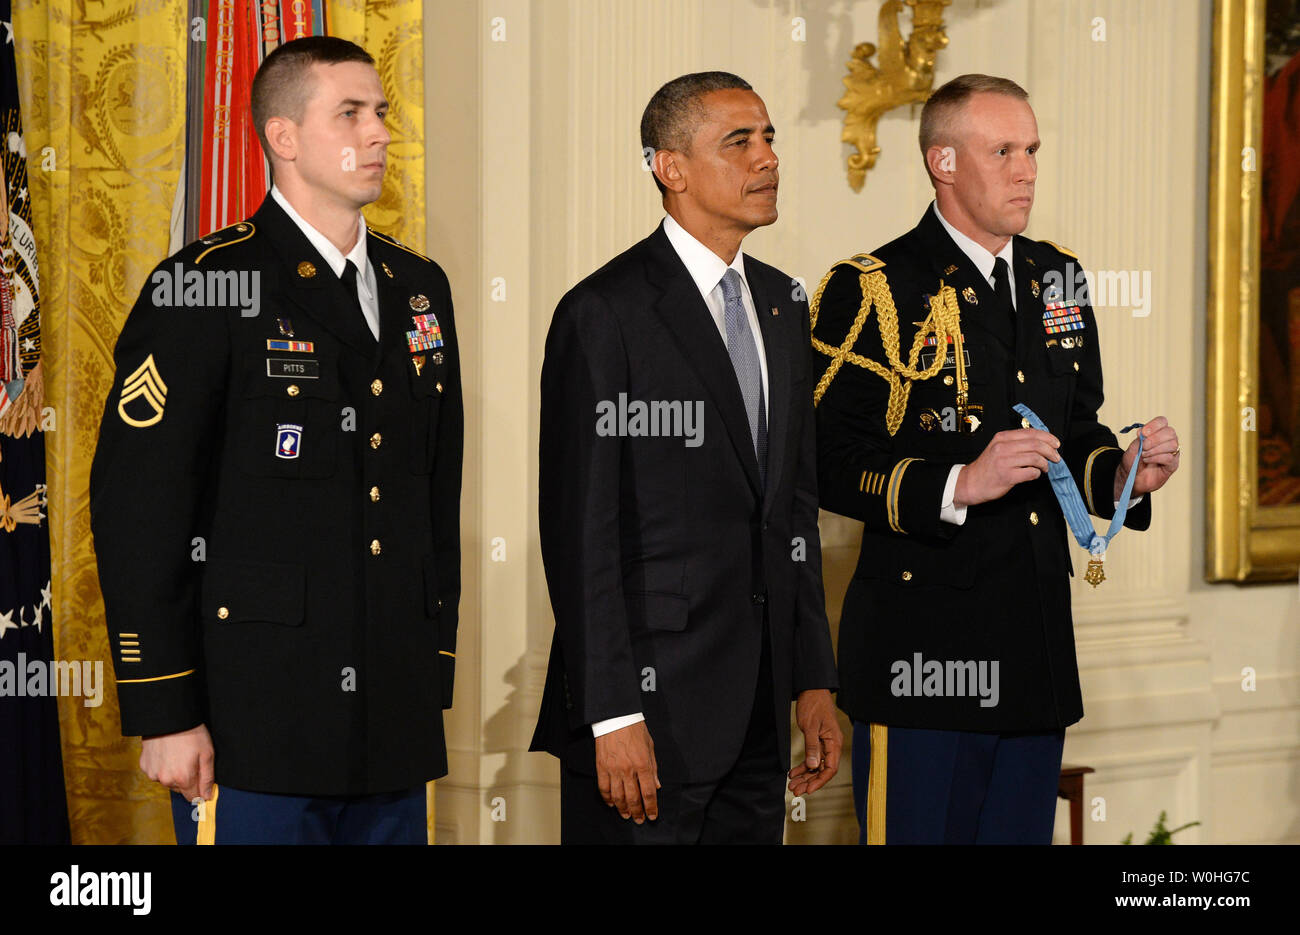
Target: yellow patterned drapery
(102,88)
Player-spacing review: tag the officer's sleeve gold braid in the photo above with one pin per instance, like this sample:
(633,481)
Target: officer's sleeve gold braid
(943,321)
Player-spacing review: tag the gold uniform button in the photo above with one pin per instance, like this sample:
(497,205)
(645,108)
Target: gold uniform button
(374,494)
(439,387)
(223,613)
(1076,366)
(1020,375)
(376,440)
(1033,517)
(947,380)
(376,387)
(292,389)
(907,576)
(1024,422)
(375,548)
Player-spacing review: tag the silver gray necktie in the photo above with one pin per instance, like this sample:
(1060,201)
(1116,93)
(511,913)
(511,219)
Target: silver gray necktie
(749,373)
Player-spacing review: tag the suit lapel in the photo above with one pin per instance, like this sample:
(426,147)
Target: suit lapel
(319,294)
(395,310)
(1029,307)
(777,350)
(966,279)
(687,319)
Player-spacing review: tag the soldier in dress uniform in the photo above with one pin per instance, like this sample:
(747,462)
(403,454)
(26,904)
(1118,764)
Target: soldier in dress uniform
(275,494)
(956,650)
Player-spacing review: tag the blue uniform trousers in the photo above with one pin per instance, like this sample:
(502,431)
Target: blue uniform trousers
(955,787)
(237,816)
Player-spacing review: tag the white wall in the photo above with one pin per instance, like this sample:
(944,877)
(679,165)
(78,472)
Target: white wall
(534,177)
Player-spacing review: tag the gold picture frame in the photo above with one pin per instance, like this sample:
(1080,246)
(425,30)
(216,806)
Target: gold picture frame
(1245,541)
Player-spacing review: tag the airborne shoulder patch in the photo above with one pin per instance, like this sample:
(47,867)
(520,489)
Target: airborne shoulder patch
(146,385)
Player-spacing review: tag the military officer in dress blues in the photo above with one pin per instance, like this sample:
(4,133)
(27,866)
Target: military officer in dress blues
(956,650)
(275,494)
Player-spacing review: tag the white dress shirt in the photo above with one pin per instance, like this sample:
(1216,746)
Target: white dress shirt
(366,293)
(706,269)
(984,262)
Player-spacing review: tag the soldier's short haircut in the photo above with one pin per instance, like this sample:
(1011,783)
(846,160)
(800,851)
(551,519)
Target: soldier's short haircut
(282,85)
(677,110)
(945,104)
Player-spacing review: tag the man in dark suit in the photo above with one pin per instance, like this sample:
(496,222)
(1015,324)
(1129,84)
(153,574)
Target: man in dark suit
(956,643)
(678,508)
(275,494)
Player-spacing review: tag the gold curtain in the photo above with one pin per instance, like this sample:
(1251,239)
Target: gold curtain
(102,89)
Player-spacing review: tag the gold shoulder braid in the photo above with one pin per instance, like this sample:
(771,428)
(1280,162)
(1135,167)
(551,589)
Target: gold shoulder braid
(217,239)
(1059,249)
(943,321)
(397,243)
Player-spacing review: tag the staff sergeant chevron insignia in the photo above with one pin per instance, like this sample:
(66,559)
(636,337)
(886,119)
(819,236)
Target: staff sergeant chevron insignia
(147,384)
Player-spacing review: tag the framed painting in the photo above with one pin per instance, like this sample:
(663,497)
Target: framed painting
(1253,362)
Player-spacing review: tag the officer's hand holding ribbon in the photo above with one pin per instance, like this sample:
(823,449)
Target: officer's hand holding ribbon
(1160,452)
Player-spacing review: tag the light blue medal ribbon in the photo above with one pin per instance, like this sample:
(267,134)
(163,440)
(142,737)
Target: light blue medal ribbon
(1076,514)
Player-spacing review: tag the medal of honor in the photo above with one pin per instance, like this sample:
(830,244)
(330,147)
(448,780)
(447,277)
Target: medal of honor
(1076,514)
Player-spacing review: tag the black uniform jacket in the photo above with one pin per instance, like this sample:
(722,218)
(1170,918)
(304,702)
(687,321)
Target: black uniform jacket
(275,505)
(664,559)
(996,588)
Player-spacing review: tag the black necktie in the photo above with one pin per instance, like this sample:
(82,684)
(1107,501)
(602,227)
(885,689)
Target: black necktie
(349,280)
(1002,289)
